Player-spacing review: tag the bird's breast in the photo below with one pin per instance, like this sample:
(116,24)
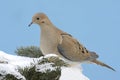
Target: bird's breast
(48,43)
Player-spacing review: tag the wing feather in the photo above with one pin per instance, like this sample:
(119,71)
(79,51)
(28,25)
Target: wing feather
(71,49)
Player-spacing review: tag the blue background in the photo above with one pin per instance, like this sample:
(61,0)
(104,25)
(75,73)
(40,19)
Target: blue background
(95,23)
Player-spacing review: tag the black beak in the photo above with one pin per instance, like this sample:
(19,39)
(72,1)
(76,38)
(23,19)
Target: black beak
(30,24)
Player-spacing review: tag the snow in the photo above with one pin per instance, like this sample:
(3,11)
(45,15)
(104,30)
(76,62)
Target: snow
(10,69)
(72,74)
(9,64)
(44,67)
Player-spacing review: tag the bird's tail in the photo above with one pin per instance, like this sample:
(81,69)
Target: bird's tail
(102,64)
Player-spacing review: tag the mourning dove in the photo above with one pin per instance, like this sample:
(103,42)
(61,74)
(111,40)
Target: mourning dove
(54,40)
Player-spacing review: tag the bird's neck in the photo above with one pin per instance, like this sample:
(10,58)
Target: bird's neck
(47,28)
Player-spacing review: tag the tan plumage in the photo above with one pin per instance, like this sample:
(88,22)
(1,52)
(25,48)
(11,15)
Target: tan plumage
(53,40)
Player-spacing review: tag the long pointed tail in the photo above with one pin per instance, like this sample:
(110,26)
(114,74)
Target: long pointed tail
(102,64)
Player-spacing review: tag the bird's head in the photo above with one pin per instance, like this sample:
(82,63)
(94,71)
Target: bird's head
(40,19)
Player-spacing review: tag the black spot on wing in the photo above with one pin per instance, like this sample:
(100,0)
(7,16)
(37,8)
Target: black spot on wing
(86,50)
(83,52)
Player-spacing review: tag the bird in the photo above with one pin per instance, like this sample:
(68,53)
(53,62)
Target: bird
(54,40)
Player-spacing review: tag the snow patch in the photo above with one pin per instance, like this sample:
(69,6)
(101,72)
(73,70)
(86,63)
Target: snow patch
(44,67)
(72,74)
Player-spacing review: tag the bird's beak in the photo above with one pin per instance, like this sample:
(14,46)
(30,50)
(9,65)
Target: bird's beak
(30,24)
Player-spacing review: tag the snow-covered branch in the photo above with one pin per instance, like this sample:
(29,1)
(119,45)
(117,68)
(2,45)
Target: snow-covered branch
(17,67)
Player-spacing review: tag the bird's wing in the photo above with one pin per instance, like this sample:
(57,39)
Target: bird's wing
(72,50)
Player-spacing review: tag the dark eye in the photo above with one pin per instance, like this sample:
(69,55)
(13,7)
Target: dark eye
(38,18)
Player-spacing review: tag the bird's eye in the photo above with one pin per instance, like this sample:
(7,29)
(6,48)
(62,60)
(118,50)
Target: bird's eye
(38,18)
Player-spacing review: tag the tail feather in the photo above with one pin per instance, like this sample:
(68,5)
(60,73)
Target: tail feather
(102,64)
(93,54)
